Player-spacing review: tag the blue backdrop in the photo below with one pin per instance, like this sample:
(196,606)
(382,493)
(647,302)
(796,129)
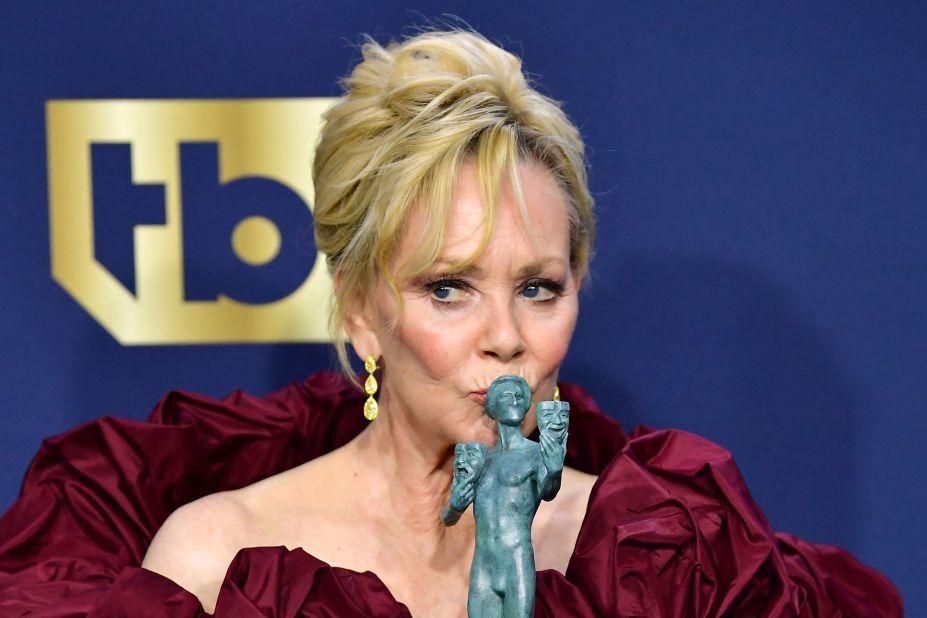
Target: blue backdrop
(761,277)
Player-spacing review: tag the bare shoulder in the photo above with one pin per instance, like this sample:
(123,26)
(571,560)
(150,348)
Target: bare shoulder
(197,543)
(575,487)
(558,522)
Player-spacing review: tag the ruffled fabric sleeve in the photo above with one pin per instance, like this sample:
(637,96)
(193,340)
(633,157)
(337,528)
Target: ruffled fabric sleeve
(94,497)
(671,530)
(273,581)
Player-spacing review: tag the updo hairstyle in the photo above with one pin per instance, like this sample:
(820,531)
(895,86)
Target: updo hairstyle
(412,112)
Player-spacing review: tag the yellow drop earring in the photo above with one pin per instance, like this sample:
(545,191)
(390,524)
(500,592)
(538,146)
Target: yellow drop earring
(556,393)
(371,409)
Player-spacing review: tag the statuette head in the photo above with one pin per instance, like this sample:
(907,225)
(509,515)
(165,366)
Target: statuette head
(508,399)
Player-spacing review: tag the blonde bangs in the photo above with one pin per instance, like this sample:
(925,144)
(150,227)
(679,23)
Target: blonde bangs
(495,154)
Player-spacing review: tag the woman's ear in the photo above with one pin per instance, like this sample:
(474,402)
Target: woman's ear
(359,323)
(359,327)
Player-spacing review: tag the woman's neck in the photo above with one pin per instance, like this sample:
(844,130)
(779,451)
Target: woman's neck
(407,470)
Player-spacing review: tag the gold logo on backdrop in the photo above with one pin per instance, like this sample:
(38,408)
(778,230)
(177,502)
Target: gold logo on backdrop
(230,172)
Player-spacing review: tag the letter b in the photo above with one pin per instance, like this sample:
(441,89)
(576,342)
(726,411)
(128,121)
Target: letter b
(214,213)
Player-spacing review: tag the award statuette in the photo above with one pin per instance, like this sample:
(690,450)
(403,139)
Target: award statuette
(506,484)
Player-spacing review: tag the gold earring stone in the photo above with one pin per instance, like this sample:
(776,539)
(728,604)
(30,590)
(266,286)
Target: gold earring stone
(371,409)
(556,393)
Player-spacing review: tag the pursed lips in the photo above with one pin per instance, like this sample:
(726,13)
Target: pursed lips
(478,396)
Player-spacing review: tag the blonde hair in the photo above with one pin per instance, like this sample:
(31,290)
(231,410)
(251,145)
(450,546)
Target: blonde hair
(412,112)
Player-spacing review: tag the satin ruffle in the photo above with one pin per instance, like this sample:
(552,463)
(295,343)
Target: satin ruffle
(670,530)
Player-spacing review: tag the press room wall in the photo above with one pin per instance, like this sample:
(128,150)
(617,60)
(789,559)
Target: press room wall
(759,170)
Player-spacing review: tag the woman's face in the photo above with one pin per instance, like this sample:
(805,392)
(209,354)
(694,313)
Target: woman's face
(512,312)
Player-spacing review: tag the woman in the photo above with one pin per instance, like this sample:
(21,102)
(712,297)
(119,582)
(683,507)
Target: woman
(455,215)
(452,204)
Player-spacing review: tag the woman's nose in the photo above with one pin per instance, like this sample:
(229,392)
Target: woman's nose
(502,336)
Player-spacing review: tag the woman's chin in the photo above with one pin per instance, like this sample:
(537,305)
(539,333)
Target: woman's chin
(483,430)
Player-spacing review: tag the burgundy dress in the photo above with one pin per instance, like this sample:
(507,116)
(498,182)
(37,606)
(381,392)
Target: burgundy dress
(670,530)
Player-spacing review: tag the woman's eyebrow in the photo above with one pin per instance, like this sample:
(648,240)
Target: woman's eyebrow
(473,270)
(478,272)
(537,266)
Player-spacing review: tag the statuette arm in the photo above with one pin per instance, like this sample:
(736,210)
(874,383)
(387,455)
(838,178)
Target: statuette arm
(469,458)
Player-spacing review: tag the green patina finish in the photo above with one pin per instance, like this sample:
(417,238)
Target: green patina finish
(506,484)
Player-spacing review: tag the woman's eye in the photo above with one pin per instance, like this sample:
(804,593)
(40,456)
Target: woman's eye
(447,291)
(540,291)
